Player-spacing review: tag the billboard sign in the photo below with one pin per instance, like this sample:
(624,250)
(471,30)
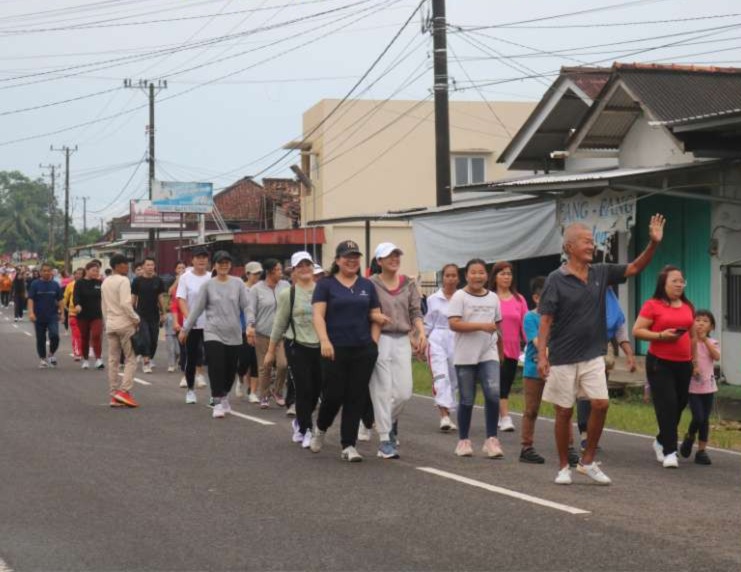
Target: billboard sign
(175,197)
(145,215)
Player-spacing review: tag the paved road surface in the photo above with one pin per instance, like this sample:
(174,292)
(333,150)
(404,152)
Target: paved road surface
(165,487)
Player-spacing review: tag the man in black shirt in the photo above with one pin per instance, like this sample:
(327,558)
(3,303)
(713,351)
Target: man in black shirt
(148,297)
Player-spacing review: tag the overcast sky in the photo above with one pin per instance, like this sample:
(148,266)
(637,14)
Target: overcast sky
(241,72)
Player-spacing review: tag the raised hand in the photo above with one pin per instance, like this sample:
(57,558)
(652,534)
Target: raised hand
(656,228)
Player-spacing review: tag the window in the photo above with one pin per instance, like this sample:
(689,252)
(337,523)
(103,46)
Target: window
(469,170)
(733,298)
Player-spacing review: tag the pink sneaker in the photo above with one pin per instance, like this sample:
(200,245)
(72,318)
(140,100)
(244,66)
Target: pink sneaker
(492,448)
(464,448)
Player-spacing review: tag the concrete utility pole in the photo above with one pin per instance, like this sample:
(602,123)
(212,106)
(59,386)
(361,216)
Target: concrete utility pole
(67,152)
(52,205)
(84,212)
(151,89)
(442,119)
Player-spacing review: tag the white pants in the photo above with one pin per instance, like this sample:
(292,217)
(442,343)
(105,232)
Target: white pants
(391,382)
(440,358)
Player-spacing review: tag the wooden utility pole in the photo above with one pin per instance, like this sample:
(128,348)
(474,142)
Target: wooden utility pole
(52,205)
(67,152)
(442,119)
(151,89)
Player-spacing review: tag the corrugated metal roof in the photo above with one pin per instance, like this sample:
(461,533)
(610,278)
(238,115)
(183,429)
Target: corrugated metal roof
(584,178)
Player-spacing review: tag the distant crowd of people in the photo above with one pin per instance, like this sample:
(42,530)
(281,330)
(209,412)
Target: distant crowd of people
(323,344)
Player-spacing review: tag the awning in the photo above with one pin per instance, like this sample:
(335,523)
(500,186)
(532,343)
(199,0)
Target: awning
(510,233)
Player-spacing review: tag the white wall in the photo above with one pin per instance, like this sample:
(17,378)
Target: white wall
(646,146)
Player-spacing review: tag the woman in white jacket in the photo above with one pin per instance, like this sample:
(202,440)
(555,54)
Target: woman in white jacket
(440,347)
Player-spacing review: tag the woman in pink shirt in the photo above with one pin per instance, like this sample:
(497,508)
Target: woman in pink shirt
(514,308)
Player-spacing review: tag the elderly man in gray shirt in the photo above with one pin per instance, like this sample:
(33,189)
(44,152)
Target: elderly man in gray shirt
(573,337)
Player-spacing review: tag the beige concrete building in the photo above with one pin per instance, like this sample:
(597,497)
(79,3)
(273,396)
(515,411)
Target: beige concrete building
(371,157)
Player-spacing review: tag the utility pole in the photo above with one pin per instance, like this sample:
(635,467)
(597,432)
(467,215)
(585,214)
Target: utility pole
(52,205)
(151,89)
(67,152)
(84,212)
(442,120)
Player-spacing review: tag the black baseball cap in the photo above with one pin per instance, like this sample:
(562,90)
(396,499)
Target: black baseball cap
(222,255)
(347,247)
(200,251)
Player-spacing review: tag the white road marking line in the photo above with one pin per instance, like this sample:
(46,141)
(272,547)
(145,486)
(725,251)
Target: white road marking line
(15,325)
(503,491)
(4,567)
(136,380)
(28,334)
(605,430)
(249,418)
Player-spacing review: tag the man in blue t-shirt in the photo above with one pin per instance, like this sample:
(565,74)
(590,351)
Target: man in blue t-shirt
(46,310)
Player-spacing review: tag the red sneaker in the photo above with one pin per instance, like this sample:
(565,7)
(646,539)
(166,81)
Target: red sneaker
(125,398)
(114,403)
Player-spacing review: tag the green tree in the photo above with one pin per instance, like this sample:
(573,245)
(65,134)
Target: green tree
(24,212)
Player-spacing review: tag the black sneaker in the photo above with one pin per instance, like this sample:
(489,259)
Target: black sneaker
(573,457)
(702,458)
(530,455)
(685,449)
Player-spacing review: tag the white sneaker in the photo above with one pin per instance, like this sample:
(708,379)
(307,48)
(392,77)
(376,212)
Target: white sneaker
(306,441)
(364,434)
(99,364)
(200,381)
(170,369)
(146,368)
(564,476)
(291,411)
(85,364)
(183,382)
(317,440)
(297,437)
(225,405)
(594,472)
(446,424)
(238,393)
(671,461)
(351,455)
(218,412)
(659,450)
(190,397)
(43,364)
(505,424)
(252,398)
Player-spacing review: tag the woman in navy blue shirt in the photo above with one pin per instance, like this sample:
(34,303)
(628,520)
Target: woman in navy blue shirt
(344,306)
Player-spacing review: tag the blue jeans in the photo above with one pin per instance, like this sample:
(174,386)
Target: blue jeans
(41,329)
(487,374)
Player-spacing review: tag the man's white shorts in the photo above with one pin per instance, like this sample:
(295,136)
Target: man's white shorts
(581,380)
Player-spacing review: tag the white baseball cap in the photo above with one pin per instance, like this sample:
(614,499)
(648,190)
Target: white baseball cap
(298,257)
(385,249)
(318,269)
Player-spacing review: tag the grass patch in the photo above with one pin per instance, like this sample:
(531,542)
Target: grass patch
(628,413)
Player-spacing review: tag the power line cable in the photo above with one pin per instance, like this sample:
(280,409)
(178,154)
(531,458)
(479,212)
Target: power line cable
(123,189)
(59,102)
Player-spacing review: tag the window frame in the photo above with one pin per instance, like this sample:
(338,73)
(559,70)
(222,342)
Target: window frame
(469,158)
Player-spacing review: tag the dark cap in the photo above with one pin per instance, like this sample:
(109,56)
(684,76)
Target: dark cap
(347,247)
(222,255)
(200,251)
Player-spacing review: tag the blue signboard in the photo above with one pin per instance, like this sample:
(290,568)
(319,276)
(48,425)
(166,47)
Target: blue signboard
(176,197)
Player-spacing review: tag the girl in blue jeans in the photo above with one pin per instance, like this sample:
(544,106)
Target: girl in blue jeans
(474,314)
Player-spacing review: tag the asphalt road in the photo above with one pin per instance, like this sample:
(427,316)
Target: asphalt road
(165,487)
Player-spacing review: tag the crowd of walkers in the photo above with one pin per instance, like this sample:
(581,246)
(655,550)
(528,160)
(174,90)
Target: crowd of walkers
(321,344)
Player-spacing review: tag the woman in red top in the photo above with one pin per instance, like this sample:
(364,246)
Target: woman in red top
(667,321)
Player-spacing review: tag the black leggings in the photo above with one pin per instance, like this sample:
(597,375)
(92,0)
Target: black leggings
(670,384)
(5,298)
(247,360)
(345,385)
(305,368)
(193,344)
(507,373)
(222,367)
(701,405)
(19,304)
